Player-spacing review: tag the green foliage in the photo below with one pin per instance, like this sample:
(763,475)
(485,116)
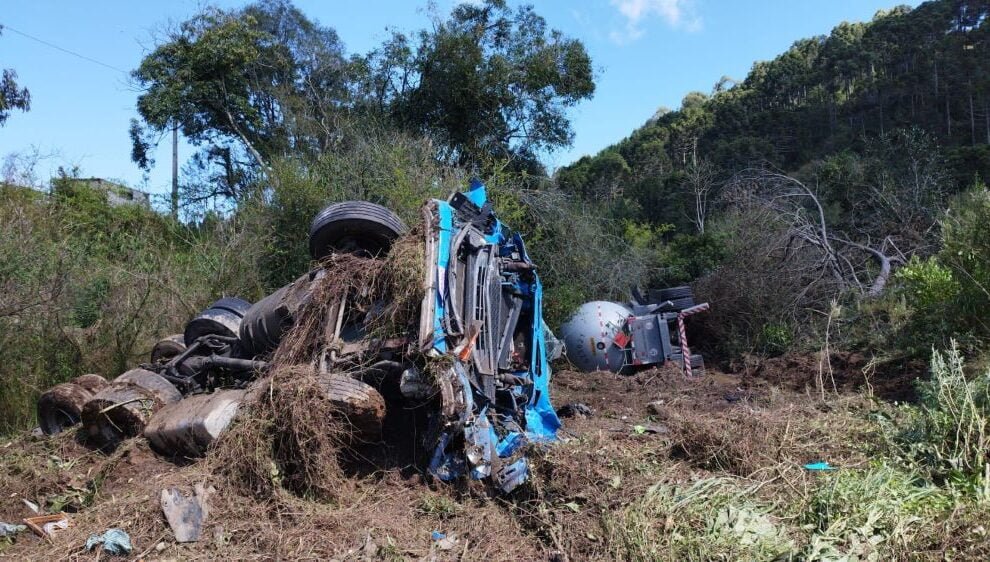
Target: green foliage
(12,96)
(263,83)
(437,506)
(868,514)
(710,519)
(488,82)
(920,310)
(244,75)
(775,338)
(886,91)
(947,434)
(966,251)
(86,287)
(377,164)
(927,283)
(687,257)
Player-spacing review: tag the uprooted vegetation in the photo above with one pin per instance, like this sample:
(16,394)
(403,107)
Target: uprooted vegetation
(665,468)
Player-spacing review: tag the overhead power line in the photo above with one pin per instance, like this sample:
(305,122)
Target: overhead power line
(64,50)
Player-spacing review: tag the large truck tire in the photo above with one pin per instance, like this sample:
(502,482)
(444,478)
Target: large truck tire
(354,226)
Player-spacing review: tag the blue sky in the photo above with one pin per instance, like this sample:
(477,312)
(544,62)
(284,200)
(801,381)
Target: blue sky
(647,54)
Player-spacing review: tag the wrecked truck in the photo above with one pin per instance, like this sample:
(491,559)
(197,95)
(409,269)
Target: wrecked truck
(472,362)
(645,332)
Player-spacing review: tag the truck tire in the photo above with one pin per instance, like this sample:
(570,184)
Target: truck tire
(353,226)
(168,348)
(60,407)
(123,408)
(359,403)
(672,293)
(682,303)
(223,318)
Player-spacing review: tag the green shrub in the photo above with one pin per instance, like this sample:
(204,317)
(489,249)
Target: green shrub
(947,434)
(710,519)
(919,308)
(926,284)
(966,252)
(868,514)
(88,288)
(775,338)
(687,257)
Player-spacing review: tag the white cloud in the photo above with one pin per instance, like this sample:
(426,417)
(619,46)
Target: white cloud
(678,14)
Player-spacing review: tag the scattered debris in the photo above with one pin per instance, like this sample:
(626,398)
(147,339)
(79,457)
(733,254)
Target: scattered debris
(651,428)
(443,541)
(9,530)
(115,542)
(575,409)
(45,525)
(31,505)
(657,408)
(186,515)
(821,465)
(52,526)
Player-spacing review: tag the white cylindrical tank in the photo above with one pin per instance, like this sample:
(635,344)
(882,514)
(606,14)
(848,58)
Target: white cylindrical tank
(589,334)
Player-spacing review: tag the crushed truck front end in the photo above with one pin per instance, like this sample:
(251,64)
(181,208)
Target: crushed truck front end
(482,319)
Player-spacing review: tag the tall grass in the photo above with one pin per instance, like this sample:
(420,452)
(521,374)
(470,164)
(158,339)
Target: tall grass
(88,288)
(710,519)
(947,434)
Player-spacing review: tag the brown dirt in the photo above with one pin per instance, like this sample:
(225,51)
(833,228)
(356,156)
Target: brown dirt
(718,423)
(841,371)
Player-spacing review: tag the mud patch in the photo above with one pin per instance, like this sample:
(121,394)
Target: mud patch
(840,372)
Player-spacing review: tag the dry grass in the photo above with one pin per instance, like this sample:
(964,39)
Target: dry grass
(748,443)
(383,295)
(292,439)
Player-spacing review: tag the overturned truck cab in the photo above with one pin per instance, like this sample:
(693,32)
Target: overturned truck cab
(473,379)
(482,311)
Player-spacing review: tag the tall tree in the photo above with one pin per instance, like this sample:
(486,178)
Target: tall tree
(12,96)
(264,80)
(488,82)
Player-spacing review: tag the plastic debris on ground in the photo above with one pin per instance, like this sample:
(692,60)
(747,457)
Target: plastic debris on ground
(443,541)
(185,514)
(115,542)
(45,525)
(815,466)
(9,530)
(575,409)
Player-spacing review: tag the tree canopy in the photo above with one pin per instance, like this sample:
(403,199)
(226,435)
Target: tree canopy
(488,82)
(264,82)
(12,96)
(926,68)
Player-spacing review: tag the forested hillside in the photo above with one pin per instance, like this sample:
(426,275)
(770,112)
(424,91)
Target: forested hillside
(927,68)
(822,178)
